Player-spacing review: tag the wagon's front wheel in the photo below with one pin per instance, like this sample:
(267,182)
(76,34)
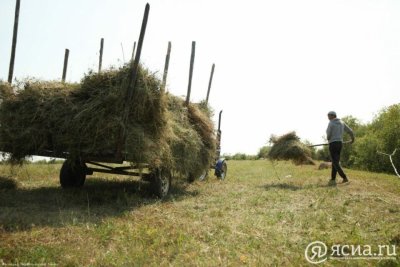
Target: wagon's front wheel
(160,182)
(72,174)
(221,170)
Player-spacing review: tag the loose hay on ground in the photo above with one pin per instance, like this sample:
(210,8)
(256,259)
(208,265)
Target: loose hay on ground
(289,147)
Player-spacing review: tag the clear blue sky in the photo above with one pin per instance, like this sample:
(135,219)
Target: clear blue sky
(280,65)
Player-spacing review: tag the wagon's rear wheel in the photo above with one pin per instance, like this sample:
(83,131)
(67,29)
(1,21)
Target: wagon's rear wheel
(191,178)
(201,177)
(72,174)
(160,181)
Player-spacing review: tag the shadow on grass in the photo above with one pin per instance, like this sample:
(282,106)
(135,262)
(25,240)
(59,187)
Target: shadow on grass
(24,208)
(293,187)
(7,183)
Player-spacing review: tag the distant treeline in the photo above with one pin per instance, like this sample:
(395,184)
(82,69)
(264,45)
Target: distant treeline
(30,161)
(381,134)
(262,154)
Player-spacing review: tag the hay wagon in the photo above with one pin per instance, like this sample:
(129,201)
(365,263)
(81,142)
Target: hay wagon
(170,136)
(73,173)
(109,119)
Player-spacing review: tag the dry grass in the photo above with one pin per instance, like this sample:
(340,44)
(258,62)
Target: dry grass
(261,215)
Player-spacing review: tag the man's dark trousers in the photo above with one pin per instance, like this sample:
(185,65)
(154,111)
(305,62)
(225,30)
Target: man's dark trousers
(335,148)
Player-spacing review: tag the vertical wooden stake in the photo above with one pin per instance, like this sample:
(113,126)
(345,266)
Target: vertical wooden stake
(164,80)
(123,54)
(64,74)
(219,133)
(14,42)
(130,86)
(191,72)
(209,83)
(219,121)
(101,53)
(133,75)
(133,51)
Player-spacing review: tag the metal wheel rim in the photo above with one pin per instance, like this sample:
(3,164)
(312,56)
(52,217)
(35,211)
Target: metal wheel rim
(203,176)
(223,171)
(164,184)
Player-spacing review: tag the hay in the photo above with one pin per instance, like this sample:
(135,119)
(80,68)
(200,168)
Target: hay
(289,147)
(5,90)
(191,137)
(87,119)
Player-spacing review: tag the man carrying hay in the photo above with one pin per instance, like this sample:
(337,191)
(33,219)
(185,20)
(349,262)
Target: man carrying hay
(334,134)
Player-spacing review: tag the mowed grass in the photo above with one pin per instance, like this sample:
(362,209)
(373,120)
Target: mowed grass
(263,214)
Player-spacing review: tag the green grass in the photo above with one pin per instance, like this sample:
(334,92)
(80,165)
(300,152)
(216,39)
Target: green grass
(261,215)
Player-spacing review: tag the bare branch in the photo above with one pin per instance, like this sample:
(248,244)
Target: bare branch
(391,160)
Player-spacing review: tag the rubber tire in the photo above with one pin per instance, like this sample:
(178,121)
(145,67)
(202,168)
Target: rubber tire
(160,182)
(72,175)
(221,174)
(191,178)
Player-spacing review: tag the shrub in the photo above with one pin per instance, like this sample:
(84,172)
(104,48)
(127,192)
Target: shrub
(263,152)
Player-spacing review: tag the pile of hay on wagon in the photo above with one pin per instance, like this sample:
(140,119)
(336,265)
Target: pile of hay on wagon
(89,119)
(289,147)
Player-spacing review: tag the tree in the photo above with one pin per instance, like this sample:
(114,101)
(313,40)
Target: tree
(347,154)
(263,152)
(382,134)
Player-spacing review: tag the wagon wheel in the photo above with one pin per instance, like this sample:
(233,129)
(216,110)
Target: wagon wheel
(221,173)
(72,174)
(160,182)
(191,178)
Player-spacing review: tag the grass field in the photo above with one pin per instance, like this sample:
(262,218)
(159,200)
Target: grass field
(263,214)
